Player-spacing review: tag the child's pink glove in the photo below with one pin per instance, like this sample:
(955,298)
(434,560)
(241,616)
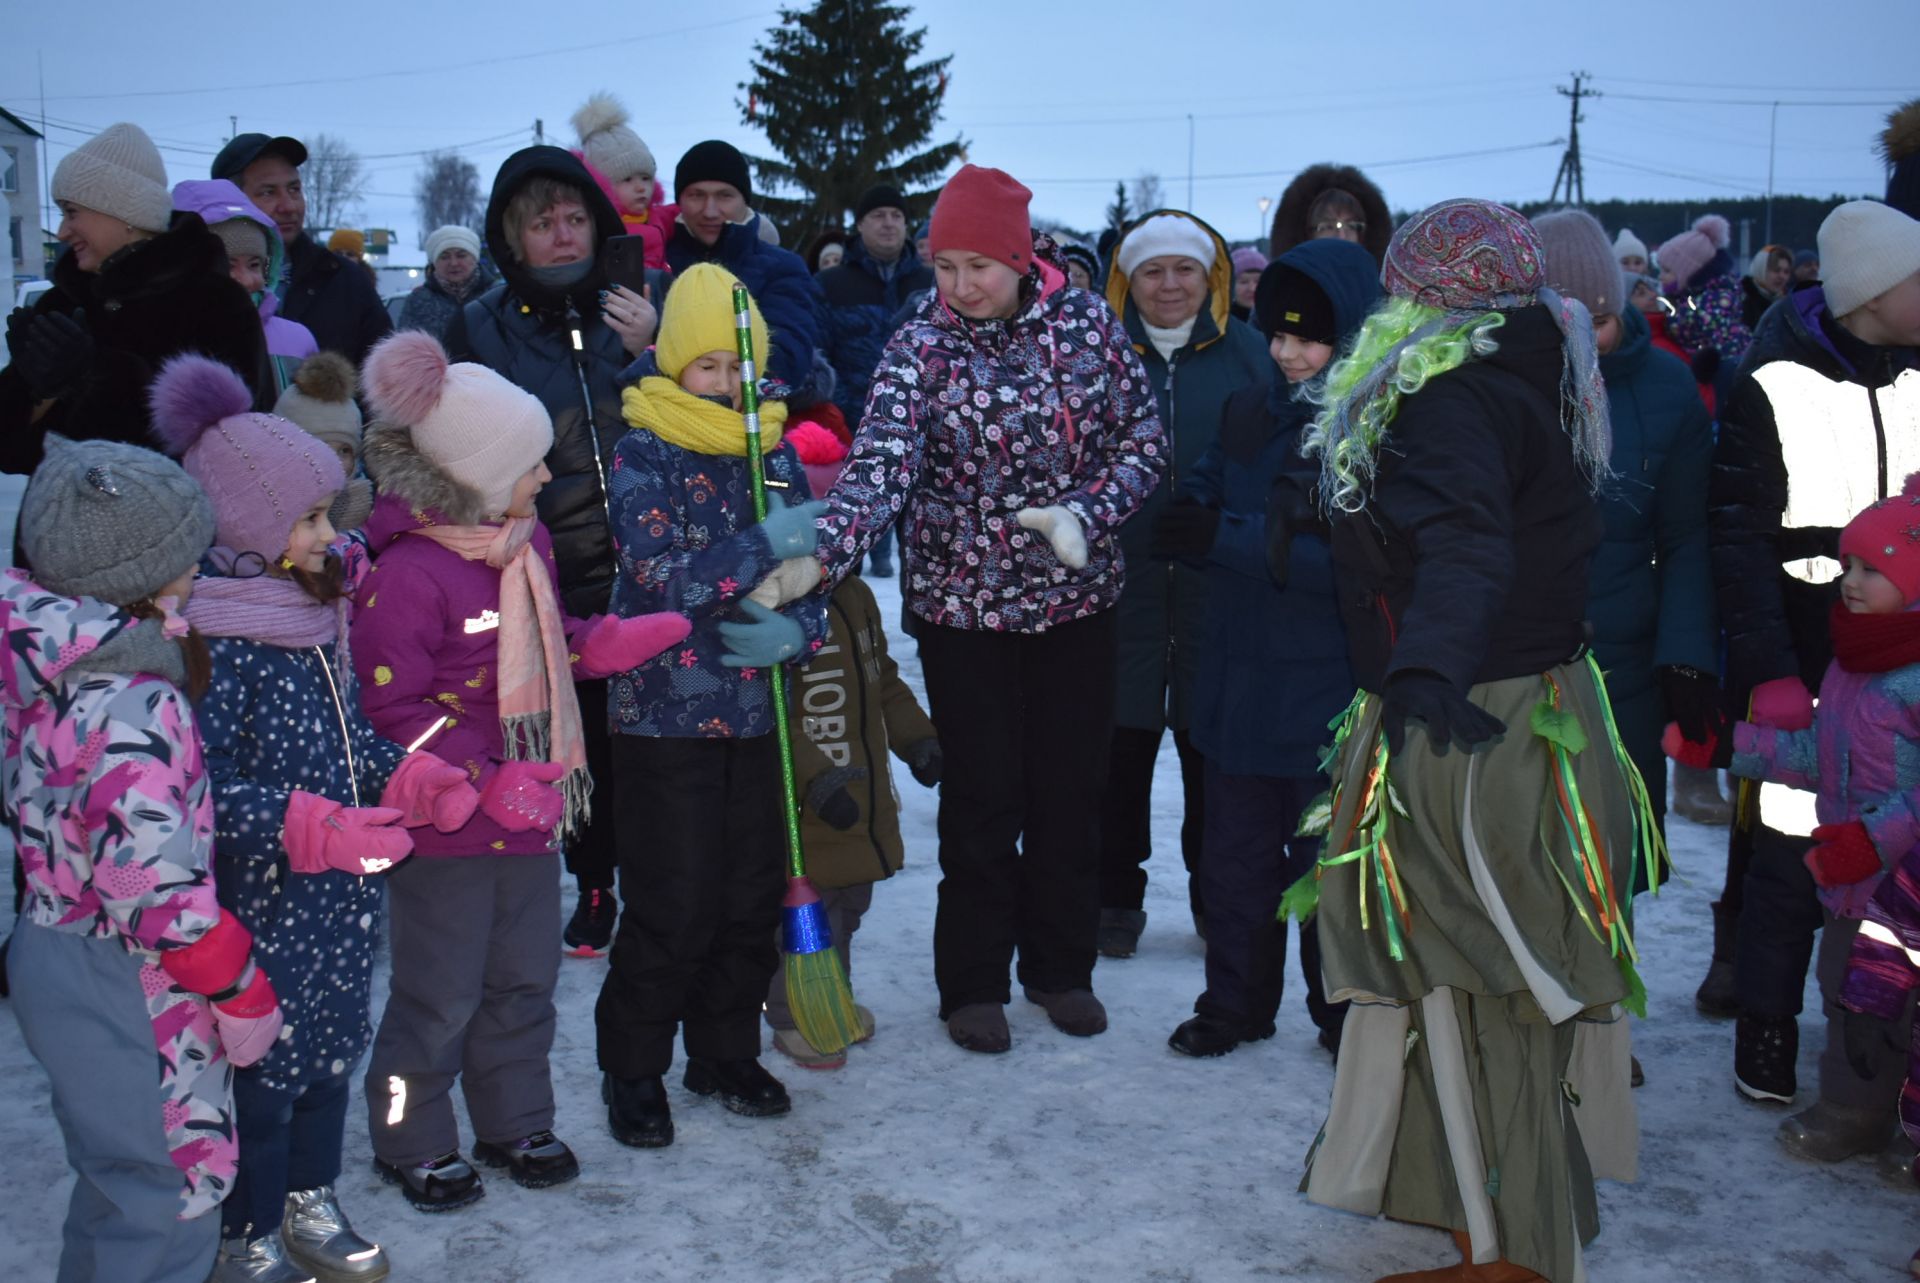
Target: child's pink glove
(613,645)
(1783,703)
(1844,854)
(427,790)
(250,1021)
(521,797)
(321,834)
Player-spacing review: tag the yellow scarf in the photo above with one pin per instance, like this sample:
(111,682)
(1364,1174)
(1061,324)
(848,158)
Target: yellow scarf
(680,418)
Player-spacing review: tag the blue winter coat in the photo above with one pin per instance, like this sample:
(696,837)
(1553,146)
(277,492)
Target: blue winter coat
(684,531)
(1163,602)
(1273,668)
(861,301)
(1650,585)
(780,283)
(275,720)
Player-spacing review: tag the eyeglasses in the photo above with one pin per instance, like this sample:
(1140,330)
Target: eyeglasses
(1338,226)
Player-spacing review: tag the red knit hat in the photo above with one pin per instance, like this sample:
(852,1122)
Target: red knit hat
(1886,536)
(984,211)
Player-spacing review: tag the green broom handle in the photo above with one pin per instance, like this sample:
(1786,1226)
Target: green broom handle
(757,468)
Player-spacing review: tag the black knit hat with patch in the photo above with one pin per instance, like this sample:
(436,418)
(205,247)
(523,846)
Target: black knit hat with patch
(1288,301)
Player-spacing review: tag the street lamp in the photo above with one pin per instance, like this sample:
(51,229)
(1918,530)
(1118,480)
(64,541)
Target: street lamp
(1265,203)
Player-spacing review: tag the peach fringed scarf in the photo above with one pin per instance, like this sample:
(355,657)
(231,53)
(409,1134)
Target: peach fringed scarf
(539,714)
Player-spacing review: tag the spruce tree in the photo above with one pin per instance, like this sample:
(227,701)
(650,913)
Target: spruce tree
(839,95)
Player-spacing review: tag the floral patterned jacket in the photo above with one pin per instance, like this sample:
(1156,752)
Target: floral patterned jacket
(967,422)
(108,803)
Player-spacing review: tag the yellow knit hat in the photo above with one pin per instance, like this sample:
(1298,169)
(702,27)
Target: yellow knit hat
(699,319)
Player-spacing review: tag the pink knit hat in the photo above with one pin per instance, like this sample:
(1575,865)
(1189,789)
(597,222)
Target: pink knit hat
(261,472)
(1692,250)
(1886,535)
(469,422)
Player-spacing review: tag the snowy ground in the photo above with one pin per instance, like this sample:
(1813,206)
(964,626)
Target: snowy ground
(1102,1159)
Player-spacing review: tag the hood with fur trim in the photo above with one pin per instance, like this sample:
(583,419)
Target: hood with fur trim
(1219,278)
(412,488)
(1290,226)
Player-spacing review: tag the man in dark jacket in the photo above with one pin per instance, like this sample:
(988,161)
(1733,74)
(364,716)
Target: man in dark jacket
(718,225)
(326,292)
(1823,419)
(1172,284)
(862,295)
(545,327)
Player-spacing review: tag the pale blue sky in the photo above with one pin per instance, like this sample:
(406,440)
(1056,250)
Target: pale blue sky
(1065,96)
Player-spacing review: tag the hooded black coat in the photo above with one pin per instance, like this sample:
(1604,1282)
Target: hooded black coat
(1290,226)
(1470,559)
(155,299)
(521,330)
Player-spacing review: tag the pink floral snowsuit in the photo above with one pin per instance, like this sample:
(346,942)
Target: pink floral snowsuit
(111,814)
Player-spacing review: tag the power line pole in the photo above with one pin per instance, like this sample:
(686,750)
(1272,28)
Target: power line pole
(539,132)
(1571,173)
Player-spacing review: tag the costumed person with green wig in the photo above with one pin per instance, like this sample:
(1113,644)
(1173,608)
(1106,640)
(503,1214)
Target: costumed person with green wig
(1484,821)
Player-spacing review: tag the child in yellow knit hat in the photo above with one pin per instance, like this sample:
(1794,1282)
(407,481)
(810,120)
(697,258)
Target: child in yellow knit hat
(695,762)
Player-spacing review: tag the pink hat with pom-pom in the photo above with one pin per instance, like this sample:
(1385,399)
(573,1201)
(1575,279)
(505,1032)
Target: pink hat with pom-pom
(1886,535)
(261,472)
(822,454)
(1693,249)
(482,431)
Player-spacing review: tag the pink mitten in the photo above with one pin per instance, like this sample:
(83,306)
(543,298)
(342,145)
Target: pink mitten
(613,645)
(427,790)
(1783,703)
(521,797)
(320,835)
(249,1022)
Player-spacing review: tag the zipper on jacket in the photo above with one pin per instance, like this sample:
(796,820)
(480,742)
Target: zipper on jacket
(340,711)
(1879,440)
(1172,588)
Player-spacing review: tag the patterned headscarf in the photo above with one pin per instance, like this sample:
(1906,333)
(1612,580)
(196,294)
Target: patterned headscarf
(1467,259)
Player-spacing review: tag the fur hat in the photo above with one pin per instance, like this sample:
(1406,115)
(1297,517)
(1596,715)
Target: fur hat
(610,146)
(1292,217)
(118,172)
(984,211)
(1693,249)
(1900,148)
(698,317)
(320,401)
(1866,248)
(1162,235)
(111,521)
(1580,262)
(1886,535)
(452,236)
(476,429)
(713,162)
(261,472)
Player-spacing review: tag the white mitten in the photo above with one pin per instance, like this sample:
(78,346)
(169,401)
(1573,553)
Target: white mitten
(791,580)
(1062,530)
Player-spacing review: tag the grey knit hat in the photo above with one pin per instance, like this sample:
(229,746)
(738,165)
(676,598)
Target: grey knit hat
(111,521)
(1581,263)
(119,173)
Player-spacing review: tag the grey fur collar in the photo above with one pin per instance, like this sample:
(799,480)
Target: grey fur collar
(398,468)
(143,648)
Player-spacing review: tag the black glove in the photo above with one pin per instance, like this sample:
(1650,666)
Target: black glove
(1868,1039)
(1418,695)
(926,761)
(54,353)
(828,797)
(1183,531)
(1695,703)
(1290,511)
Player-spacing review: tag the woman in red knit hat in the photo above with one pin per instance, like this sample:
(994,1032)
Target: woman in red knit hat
(1010,428)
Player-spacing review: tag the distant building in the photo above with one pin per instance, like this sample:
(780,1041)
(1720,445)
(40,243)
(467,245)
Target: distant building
(26,240)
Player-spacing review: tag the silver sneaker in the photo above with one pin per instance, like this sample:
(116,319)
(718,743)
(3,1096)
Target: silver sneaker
(319,1238)
(255,1260)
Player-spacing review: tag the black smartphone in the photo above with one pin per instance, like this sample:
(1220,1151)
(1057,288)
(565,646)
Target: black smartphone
(625,260)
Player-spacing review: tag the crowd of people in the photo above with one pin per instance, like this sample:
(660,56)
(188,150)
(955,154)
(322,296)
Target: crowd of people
(1427,546)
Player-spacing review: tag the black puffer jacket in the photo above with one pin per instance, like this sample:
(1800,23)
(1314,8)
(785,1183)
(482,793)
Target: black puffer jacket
(1816,426)
(1471,557)
(158,297)
(521,330)
(335,298)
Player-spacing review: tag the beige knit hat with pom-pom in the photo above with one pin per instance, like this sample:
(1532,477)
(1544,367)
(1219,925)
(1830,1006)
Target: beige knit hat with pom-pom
(610,147)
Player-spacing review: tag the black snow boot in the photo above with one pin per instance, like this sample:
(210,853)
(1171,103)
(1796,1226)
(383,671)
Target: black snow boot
(1715,997)
(744,1086)
(1764,1051)
(637,1111)
(590,929)
(1210,1035)
(534,1162)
